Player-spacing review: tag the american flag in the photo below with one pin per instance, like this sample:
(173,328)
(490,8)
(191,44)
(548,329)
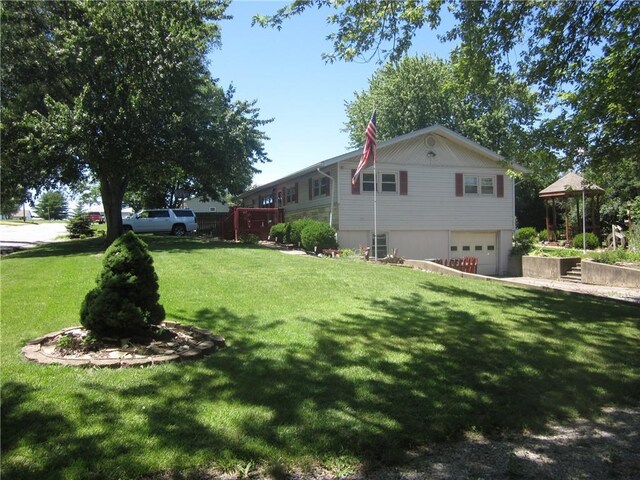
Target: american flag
(369,153)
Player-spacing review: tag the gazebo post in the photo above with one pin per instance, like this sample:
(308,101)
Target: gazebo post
(555,220)
(546,220)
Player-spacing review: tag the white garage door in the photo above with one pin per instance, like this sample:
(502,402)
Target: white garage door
(482,245)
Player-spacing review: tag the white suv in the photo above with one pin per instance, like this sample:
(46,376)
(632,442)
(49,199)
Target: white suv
(162,220)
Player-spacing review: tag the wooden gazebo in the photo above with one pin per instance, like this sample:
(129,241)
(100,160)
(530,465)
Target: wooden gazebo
(570,186)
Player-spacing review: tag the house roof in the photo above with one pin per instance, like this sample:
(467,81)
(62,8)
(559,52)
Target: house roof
(355,154)
(569,185)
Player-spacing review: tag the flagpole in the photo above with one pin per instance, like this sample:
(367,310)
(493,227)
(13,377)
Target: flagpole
(375,213)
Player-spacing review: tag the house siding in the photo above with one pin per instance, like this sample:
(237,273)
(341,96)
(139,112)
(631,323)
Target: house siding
(431,202)
(420,218)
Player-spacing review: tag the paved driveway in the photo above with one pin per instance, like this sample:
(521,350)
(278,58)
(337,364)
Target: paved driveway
(30,234)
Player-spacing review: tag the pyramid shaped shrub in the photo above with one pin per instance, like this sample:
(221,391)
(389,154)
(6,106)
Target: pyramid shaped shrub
(125,301)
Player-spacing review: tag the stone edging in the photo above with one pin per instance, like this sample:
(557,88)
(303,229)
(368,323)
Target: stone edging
(207,343)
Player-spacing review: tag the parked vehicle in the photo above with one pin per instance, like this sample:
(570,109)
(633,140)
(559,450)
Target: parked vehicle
(96,217)
(162,220)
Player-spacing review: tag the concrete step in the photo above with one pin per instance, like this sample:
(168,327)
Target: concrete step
(574,274)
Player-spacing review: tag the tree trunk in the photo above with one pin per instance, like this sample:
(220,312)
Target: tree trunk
(112,191)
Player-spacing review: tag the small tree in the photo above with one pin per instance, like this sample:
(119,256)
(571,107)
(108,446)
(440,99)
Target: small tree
(52,205)
(125,302)
(80,224)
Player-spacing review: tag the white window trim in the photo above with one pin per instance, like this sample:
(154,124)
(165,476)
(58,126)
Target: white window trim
(479,179)
(290,194)
(378,183)
(313,187)
(385,235)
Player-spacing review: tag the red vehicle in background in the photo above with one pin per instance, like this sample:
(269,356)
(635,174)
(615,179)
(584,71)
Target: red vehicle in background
(96,217)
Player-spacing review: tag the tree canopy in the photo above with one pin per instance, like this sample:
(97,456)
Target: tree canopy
(582,58)
(421,91)
(119,93)
(52,205)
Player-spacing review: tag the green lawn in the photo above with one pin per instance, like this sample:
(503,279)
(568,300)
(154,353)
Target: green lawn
(330,362)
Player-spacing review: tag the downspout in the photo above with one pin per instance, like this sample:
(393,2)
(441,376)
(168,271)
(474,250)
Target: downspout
(332,193)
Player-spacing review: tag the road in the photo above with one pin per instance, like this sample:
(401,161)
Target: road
(30,234)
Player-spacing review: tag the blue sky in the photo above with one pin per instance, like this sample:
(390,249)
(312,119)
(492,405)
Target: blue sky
(284,71)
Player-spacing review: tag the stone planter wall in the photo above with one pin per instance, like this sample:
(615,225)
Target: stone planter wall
(551,268)
(610,275)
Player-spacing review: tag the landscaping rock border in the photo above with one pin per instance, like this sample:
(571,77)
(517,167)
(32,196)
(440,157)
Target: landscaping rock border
(196,342)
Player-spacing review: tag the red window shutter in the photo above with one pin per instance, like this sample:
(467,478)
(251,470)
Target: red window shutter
(459,185)
(355,187)
(404,182)
(310,189)
(295,193)
(500,185)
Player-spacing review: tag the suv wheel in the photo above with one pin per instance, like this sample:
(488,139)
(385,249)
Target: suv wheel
(179,230)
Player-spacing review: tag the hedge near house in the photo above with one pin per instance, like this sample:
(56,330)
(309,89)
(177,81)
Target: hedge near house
(317,235)
(125,302)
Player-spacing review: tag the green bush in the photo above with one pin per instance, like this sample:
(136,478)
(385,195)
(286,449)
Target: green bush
(297,226)
(523,240)
(317,235)
(611,257)
(80,225)
(542,236)
(278,232)
(592,241)
(125,301)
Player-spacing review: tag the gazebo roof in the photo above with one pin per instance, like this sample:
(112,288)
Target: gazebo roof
(570,185)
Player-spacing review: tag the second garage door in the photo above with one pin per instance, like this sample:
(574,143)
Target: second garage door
(482,245)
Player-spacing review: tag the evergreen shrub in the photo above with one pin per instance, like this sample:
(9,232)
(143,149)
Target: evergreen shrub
(318,235)
(125,302)
(592,241)
(524,239)
(296,229)
(80,224)
(278,232)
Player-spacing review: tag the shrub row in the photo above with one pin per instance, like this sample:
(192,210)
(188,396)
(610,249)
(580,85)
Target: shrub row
(525,238)
(306,232)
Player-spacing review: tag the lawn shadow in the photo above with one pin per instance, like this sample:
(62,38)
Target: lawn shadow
(54,442)
(404,372)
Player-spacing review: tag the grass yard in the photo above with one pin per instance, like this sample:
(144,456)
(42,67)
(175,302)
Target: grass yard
(330,362)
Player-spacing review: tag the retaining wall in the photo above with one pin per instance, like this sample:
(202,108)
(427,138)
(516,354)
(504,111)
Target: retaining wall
(550,268)
(610,275)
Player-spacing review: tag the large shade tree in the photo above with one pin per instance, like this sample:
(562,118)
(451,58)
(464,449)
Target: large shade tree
(119,93)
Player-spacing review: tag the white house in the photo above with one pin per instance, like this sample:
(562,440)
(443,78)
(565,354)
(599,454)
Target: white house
(439,195)
(199,206)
